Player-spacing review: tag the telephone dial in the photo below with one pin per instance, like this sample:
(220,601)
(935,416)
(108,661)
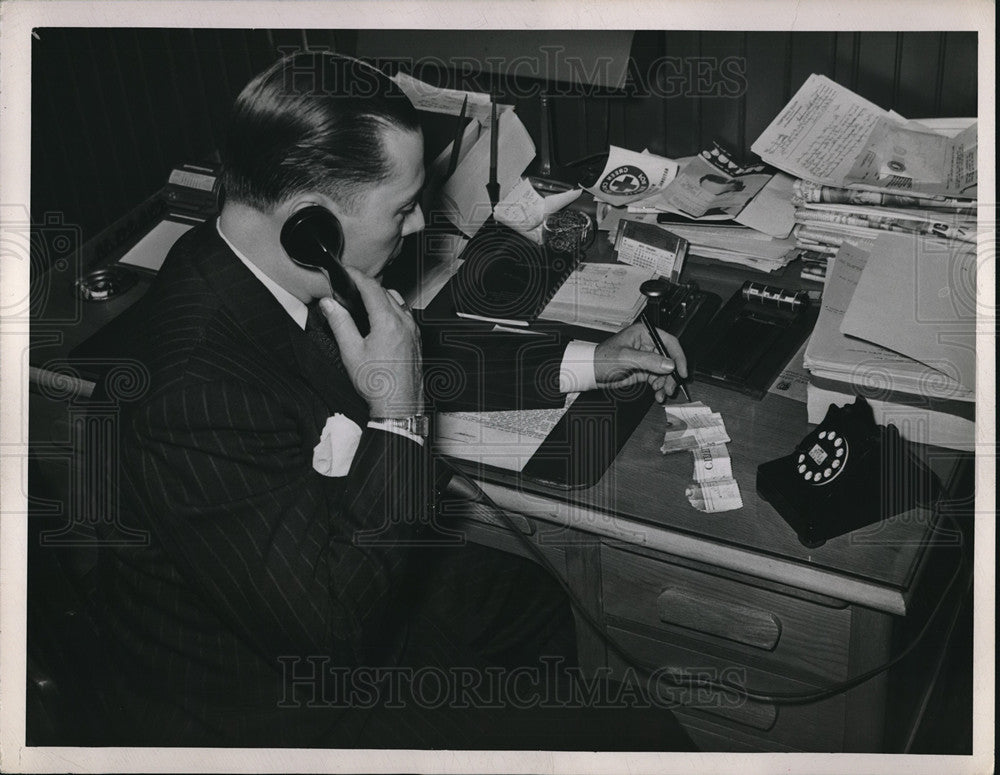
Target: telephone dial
(847,473)
(312,237)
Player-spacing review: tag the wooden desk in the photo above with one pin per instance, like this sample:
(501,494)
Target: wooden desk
(730,595)
(735,593)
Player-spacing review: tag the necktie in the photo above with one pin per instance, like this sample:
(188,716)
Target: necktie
(347,400)
(318,331)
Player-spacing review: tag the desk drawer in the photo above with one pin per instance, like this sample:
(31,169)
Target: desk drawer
(817,726)
(782,633)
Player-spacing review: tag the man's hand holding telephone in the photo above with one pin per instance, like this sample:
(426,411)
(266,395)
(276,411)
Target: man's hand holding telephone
(385,366)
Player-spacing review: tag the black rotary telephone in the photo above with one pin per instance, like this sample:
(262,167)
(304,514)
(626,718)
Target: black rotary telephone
(312,237)
(847,473)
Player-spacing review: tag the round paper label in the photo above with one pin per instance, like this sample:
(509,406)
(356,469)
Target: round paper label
(625,180)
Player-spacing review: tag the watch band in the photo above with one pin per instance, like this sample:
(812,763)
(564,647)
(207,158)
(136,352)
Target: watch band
(417,424)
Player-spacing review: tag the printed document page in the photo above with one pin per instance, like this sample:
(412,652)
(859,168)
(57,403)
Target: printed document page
(504,440)
(820,133)
(830,135)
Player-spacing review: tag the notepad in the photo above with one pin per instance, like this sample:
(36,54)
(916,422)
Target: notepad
(605,297)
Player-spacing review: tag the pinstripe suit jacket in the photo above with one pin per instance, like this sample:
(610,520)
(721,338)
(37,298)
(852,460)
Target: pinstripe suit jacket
(257,568)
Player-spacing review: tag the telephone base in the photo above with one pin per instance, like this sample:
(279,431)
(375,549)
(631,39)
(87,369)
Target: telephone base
(844,475)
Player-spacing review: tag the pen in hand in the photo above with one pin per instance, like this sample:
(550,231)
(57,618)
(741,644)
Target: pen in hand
(662,350)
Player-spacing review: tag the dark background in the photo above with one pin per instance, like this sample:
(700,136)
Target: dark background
(113,110)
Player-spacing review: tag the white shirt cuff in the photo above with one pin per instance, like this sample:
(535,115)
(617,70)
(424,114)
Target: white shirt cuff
(384,426)
(577,371)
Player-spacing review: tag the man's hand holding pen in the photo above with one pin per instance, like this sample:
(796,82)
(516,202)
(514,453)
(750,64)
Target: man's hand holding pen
(633,356)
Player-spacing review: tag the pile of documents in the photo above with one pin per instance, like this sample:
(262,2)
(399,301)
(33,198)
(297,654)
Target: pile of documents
(696,427)
(885,215)
(898,325)
(861,171)
(736,245)
(728,242)
(727,212)
(827,217)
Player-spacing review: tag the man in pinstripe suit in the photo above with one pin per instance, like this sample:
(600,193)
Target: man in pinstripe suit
(282,475)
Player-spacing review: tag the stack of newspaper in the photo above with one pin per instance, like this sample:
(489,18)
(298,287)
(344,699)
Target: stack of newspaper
(862,171)
(826,217)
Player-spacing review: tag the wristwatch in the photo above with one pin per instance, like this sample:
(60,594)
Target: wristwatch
(417,424)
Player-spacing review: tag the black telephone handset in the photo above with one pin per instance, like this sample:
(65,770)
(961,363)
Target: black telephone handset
(847,473)
(313,238)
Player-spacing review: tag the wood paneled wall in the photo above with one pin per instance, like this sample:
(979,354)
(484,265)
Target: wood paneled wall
(113,110)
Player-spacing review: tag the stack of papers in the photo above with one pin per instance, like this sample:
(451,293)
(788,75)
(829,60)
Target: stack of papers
(605,297)
(863,171)
(831,136)
(914,358)
(737,245)
(730,243)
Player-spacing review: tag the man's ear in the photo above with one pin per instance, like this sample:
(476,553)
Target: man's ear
(300,201)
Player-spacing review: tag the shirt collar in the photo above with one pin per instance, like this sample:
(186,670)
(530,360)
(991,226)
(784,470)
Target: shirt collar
(293,306)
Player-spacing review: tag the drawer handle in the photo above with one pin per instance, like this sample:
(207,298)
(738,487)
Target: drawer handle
(732,621)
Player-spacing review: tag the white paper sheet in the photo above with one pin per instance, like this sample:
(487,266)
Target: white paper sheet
(629,176)
(932,316)
(771,211)
(820,133)
(434,99)
(464,198)
(150,251)
(524,209)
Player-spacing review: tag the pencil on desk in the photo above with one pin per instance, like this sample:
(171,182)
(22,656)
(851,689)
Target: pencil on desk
(662,350)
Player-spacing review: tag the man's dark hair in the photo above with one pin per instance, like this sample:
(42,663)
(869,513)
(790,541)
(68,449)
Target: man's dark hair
(313,121)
